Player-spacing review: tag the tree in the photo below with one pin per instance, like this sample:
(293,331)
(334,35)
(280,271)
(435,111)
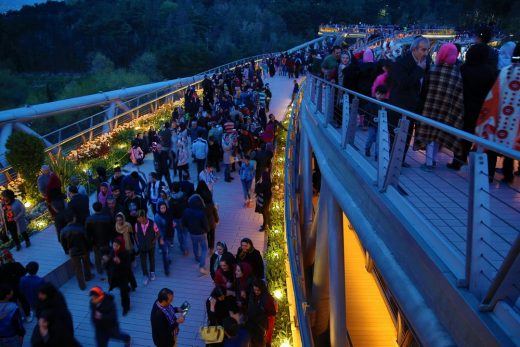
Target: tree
(26,154)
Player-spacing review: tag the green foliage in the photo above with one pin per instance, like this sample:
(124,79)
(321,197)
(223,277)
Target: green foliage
(124,136)
(13,89)
(62,167)
(25,153)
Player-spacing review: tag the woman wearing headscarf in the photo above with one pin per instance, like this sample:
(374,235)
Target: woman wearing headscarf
(119,270)
(499,119)
(263,199)
(214,261)
(247,253)
(225,274)
(124,229)
(444,103)
(261,312)
(13,218)
(478,77)
(243,283)
(164,221)
(104,192)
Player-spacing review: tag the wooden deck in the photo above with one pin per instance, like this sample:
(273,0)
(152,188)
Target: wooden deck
(236,222)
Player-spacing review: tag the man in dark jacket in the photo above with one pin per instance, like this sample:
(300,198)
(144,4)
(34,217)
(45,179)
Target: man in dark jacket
(79,204)
(75,243)
(165,324)
(195,221)
(133,203)
(146,233)
(178,203)
(408,74)
(100,231)
(104,317)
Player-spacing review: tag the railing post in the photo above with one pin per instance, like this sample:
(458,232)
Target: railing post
(383,147)
(351,122)
(396,159)
(329,105)
(344,120)
(319,100)
(478,215)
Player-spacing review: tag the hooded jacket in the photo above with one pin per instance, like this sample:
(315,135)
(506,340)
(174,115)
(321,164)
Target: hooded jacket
(194,218)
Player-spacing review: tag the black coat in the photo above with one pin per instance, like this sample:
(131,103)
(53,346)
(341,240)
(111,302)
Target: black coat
(80,205)
(254,259)
(162,333)
(108,311)
(406,88)
(478,76)
(100,229)
(74,240)
(119,274)
(194,217)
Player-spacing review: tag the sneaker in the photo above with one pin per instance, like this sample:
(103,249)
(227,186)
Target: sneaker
(203,271)
(29,318)
(427,168)
(146,281)
(152,276)
(453,166)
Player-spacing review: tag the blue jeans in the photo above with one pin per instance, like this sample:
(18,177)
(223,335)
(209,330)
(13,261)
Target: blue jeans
(371,137)
(246,187)
(201,240)
(182,235)
(165,250)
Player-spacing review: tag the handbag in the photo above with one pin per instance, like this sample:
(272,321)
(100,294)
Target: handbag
(212,334)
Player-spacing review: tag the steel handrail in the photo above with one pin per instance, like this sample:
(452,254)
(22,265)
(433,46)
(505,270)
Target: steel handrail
(511,153)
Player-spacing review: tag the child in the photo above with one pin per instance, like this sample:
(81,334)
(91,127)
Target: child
(30,284)
(371,110)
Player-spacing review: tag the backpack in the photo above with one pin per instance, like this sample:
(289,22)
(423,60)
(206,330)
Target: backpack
(178,205)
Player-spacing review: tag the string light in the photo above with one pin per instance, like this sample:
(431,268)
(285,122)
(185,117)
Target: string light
(285,343)
(278,294)
(27,204)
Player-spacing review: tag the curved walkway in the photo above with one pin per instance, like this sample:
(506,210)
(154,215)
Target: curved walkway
(236,222)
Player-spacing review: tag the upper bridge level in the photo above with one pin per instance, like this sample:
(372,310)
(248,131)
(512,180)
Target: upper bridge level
(440,248)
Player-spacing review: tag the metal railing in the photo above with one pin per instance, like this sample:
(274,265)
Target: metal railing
(474,223)
(292,225)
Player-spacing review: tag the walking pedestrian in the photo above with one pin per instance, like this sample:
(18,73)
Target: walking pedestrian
(75,243)
(195,221)
(104,317)
(119,270)
(146,233)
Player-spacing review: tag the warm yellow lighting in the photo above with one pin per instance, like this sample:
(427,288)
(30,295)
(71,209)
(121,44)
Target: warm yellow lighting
(366,307)
(276,231)
(121,146)
(41,224)
(278,294)
(285,343)
(27,204)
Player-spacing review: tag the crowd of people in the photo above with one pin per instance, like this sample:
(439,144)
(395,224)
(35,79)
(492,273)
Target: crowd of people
(135,217)
(477,95)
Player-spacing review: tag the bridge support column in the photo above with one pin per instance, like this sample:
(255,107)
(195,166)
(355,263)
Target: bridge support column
(338,324)
(27,130)
(320,278)
(306,190)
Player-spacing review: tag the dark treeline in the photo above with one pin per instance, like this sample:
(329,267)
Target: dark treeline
(63,49)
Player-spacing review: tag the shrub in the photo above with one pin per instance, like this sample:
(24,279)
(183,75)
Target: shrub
(26,154)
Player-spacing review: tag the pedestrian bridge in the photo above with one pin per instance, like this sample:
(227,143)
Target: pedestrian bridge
(379,254)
